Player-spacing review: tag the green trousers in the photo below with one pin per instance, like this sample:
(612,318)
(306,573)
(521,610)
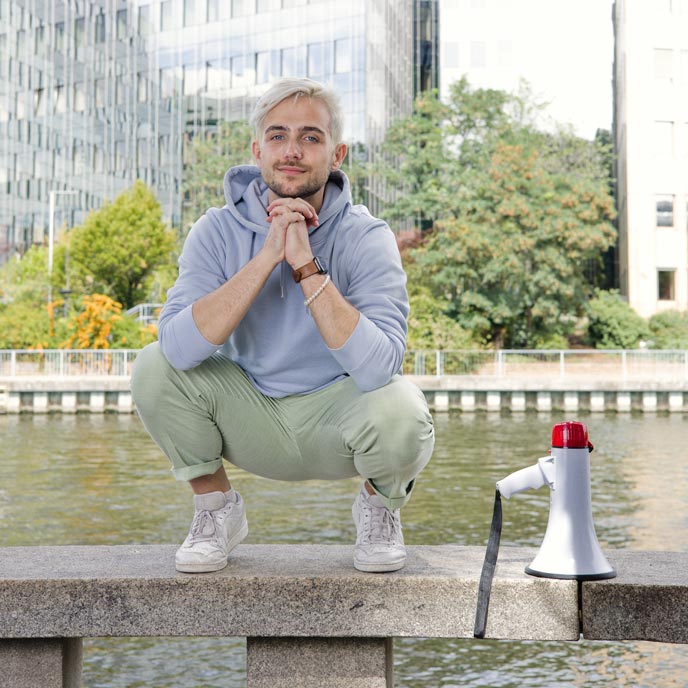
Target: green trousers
(201,416)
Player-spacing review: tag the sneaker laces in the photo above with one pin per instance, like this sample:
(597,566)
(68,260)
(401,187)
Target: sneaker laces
(380,525)
(203,527)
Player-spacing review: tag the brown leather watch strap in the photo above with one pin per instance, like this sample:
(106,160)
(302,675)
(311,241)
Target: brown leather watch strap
(315,267)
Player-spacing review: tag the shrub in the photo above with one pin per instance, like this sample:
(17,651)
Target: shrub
(669,330)
(613,324)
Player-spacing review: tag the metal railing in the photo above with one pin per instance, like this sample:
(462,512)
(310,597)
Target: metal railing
(619,365)
(66,362)
(146,313)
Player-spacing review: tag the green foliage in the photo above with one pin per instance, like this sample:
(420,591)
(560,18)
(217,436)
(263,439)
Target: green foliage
(23,326)
(613,324)
(669,330)
(429,327)
(415,162)
(356,168)
(517,213)
(207,159)
(118,248)
(26,280)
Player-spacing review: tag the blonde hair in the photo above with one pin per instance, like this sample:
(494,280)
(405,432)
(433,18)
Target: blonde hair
(288,87)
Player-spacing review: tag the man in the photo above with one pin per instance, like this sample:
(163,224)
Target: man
(281,341)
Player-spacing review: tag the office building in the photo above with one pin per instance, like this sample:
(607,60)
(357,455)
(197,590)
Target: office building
(651,140)
(96,94)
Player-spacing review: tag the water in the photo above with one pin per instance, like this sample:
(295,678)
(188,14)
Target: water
(93,479)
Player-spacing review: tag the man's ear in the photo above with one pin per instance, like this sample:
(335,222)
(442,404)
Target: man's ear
(255,149)
(339,155)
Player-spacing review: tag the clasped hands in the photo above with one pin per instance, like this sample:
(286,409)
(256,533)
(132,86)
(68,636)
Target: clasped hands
(287,239)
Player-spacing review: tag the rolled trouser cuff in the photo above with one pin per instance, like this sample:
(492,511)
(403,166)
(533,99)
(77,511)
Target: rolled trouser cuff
(187,473)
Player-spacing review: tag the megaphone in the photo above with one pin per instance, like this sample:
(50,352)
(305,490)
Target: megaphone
(570,549)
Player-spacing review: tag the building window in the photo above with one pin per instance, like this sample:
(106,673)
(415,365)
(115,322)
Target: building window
(141,87)
(100,93)
(168,83)
(120,91)
(79,38)
(59,37)
(478,54)
(144,20)
(213,10)
(40,40)
(318,60)
(663,138)
(288,62)
(218,78)
(39,102)
(242,72)
(121,24)
(267,5)
(665,285)
(451,54)
(59,99)
(665,211)
(241,8)
(194,79)
(664,68)
(79,97)
(195,12)
(166,15)
(100,28)
(262,67)
(343,62)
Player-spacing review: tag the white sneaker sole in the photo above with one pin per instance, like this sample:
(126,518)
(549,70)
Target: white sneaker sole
(370,567)
(208,567)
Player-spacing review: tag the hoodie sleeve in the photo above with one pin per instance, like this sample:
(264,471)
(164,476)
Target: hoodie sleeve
(201,270)
(377,288)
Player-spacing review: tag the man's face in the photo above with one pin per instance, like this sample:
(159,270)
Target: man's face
(296,153)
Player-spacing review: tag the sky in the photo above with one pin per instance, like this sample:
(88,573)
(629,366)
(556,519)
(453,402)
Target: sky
(563,49)
(575,62)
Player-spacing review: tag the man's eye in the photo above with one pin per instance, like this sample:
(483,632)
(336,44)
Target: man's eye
(311,139)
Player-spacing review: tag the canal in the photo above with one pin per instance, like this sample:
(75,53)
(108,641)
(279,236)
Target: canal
(98,479)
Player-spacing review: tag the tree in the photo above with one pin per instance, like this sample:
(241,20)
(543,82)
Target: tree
(518,214)
(119,247)
(101,325)
(207,160)
(413,163)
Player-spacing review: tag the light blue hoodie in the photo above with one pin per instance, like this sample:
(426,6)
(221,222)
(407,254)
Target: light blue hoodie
(277,343)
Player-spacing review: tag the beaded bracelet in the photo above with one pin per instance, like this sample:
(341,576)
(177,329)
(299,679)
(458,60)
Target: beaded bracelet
(316,293)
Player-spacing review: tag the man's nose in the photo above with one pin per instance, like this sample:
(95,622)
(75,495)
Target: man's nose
(292,149)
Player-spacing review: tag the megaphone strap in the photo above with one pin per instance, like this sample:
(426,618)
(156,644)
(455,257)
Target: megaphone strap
(489,565)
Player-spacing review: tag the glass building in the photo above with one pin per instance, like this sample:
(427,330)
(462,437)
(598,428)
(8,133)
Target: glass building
(97,93)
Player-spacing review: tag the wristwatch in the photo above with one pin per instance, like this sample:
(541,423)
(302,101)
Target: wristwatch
(315,267)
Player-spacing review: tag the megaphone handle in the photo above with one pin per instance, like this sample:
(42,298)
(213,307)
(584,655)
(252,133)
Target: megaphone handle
(489,565)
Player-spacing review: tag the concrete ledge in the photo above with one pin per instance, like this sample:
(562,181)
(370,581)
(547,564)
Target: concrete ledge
(275,591)
(648,600)
(310,619)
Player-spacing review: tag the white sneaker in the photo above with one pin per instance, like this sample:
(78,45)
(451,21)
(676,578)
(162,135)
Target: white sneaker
(379,540)
(219,525)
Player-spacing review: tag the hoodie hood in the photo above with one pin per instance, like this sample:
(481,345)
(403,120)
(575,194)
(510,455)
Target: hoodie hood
(247,198)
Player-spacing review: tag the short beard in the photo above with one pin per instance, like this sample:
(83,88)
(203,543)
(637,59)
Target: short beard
(305,192)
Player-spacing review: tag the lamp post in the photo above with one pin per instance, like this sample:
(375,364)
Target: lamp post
(51,235)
